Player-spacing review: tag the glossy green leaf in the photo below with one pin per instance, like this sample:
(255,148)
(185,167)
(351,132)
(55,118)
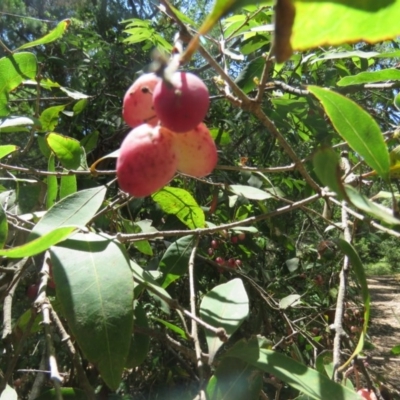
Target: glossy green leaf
(326,166)
(357,127)
(235,381)
(77,209)
(173,328)
(140,342)
(67,149)
(14,70)
(9,393)
(52,184)
(181,203)
(68,185)
(66,393)
(289,301)
(74,94)
(253,70)
(40,244)
(357,266)
(24,320)
(3,227)
(396,101)
(53,35)
(79,106)
(89,142)
(339,22)
(368,206)
(7,149)
(249,192)
(49,118)
(94,285)
(297,375)
(370,77)
(17,124)
(146,279)
(225,306)
(175,260)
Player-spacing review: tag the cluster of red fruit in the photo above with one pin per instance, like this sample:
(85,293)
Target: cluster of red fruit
(226,262)
(168,134)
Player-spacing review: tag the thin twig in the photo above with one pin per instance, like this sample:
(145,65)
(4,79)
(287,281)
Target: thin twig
(194,332)
(337,325)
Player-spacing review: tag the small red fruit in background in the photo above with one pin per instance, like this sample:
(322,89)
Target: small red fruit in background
(220,261)
(182,103)
(32,291)
(210,251)
(137,107)
(234,239)
(197,151)
(147,160)
(238,263)
(241,236)
(366,394)
(214,244)
(232,263)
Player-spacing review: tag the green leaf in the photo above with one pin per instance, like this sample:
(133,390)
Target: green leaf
(53,35)
(79,106)
(74,94)
(298,376)
(396,101)
(235,381)
(40,244)
(180,202)
(357,127)
(326,166)
(368,206)
(252,70)
(49,118)
(52,184)
(289,301)
(89,142)
(395,350)
(225,306)
(9,394)
(173,328)
(68,186)
(95,287)
(7,149)
(358,268)
(249,192)
(17,124)
(146,279)
(77,209)
(3,227)
(370,77)
(67,149)
(140,343)
(66,393)
(14,70)
(293,264)
(339,22)
(174,262)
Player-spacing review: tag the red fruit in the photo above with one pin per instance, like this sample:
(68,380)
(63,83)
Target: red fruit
(220,261)
(32,291)
(238,263)
(197,152)
(147,160)
(214,244)
(234,239)
(241,236)
(366,394)
(210,251)
(182,103)
(137,108)
(232,263)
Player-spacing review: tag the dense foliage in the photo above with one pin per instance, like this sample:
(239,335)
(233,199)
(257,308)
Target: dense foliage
(247,283)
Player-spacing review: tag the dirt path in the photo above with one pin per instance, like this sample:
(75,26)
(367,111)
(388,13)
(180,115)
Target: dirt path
(384,329)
